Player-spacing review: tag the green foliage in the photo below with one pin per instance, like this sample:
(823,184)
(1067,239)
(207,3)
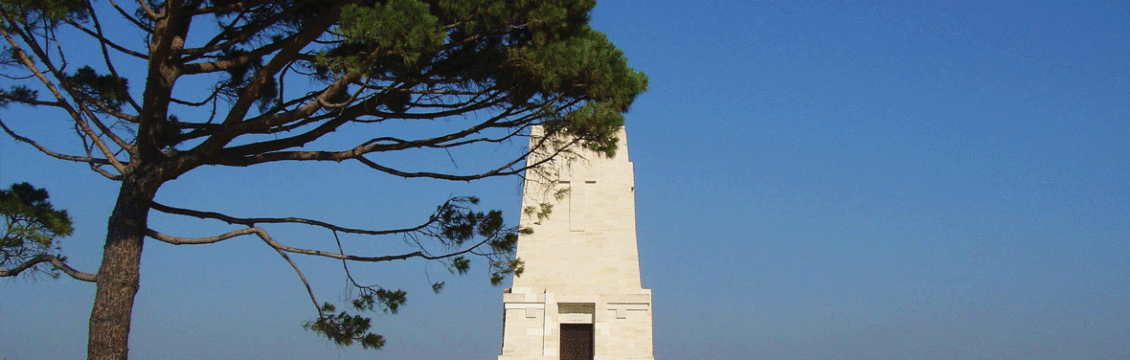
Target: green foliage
(543,210)
(490,68)
(46,13)
(501,270)
(404,27)
(460,264)
(240,76)
(587,62)
(457,224)
(110,90)
(388,301)
(343,328)
(454,224)
(405,30)
(17,93)
(534,52)
(31,226)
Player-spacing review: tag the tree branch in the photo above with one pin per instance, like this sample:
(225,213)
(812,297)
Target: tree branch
(45,150)
(106,53)
(149,11)
(251,222)
(75,115)
(131,19)
(103,40)
(302,277)
(241,36)
(197,241)
(234,124)
(56,262)
(259,152)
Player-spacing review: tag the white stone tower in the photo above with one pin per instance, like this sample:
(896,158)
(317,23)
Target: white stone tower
(580,295)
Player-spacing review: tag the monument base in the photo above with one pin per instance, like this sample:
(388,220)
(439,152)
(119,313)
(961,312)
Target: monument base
(553,324)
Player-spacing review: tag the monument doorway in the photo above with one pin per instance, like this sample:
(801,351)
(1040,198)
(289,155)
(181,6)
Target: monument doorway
(576,342)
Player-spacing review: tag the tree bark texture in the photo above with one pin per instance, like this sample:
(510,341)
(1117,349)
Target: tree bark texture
(119,276)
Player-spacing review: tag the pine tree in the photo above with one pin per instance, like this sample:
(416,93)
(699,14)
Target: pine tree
(282,77)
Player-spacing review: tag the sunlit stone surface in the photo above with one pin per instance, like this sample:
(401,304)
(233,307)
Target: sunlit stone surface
(580,295)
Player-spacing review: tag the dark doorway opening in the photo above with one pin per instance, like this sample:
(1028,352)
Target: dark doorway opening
(576,342)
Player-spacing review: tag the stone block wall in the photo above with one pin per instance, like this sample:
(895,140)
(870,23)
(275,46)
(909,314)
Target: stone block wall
(581,262)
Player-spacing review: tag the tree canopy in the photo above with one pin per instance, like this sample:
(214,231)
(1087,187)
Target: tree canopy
(31,233)
(156,89)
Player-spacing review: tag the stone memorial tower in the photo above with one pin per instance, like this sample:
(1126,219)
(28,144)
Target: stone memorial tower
(580,295)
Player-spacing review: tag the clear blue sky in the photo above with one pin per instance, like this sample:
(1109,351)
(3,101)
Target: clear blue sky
(821,180)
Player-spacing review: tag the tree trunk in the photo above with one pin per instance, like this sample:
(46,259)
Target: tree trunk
(119,275)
